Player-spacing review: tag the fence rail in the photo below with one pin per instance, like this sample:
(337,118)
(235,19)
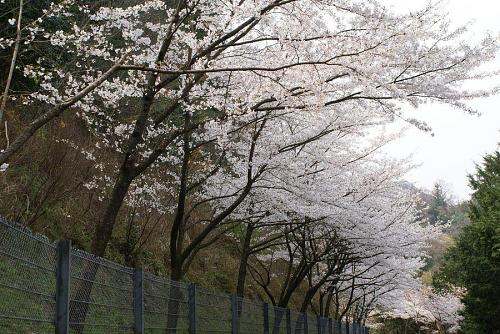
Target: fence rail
(53,288)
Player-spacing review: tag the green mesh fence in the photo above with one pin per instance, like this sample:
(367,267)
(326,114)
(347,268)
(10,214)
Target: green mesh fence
(27,281)
(103,298)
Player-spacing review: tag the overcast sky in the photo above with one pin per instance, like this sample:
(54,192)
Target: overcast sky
(460,140)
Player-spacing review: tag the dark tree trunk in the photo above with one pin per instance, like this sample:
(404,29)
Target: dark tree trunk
(101,239)
(245,254)
(307,299)
(328,305)
(104,228)
(321,304)
(176,238)
(279,314)
(173,309)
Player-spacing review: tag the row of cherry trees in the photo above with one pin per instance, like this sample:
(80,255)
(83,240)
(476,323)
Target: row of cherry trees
(262,121)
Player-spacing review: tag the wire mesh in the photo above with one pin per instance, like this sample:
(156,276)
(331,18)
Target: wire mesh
(250,316)
(101,295)
(27,281)
(343,328)
(277,320)
(213,312)
(336,324)
(165,305)
(297,322)
(323,325)
(312,324)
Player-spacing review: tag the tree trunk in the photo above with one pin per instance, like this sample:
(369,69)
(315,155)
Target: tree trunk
(175,297)
(101,239)
(328,305)
(307,299)
(176,238)
(279,313)
(104,229)
(245,254)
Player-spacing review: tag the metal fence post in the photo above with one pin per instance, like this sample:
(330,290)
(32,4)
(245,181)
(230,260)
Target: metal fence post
(318,324)
(288,322)
(138,301)
(306,326)
(330,326)
(62,286)
(265,310)
(192,308)
(234,318)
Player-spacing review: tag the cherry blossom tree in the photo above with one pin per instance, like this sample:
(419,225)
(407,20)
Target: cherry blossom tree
(158,61)
(209,107)
(425,306)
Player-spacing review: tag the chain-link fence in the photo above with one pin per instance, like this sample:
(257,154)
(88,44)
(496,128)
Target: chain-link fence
(27,281)
(51,288)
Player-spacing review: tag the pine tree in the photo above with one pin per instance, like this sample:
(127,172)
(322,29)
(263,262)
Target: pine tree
(474,262)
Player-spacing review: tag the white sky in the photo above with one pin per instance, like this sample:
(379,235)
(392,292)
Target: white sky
(460,139)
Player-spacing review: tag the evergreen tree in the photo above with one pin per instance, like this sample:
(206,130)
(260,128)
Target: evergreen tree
(438,211)
(474,262)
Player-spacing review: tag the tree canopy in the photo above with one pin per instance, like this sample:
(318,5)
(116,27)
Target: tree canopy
(474,262)
(253,121)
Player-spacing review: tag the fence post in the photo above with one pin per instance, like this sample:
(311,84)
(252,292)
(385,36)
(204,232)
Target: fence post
(330,326)
(288,322)
(265,310)
(306,326)
(234,318)
(318,324)
(63,285)
(138,301)
(192,308)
